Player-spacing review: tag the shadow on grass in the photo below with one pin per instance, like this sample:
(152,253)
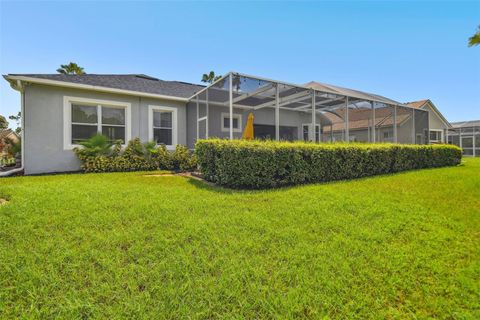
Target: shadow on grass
(204,185)
(210,186)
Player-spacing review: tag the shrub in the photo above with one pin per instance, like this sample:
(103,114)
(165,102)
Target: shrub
(97,155)
(183,159)
(164,158)
(97,145)
(267,164)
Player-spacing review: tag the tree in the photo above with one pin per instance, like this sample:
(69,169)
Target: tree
(3,122)
(475,39)
(17,119)
(210,77)
(71,68)
(13,147)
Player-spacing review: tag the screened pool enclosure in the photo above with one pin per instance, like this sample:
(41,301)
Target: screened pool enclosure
(466,135)
(314,112)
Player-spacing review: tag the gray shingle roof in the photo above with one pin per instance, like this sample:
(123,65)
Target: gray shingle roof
(132,82)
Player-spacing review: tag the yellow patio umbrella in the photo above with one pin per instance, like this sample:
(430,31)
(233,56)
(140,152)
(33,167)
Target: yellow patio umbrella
(248,131)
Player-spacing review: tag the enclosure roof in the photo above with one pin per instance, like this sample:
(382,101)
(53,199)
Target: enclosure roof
(349,92)
(464,124)
(417,104)
(294,88)
(131,82)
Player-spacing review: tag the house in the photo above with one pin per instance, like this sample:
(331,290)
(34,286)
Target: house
(6,136)
(438,125)
(466,135)
(62,110)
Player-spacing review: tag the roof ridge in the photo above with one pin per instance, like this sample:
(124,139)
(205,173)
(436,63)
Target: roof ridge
(79,75)
(138,75)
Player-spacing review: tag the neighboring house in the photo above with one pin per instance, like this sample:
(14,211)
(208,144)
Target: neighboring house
(6,136)
(61,110)
(437,123)
(370,122)
(466,135)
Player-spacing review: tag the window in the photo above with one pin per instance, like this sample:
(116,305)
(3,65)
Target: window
(83,118)
(237,122)
(436,135)
(267,132)
(306,130)
(84,122)
(163,125)
(113,123)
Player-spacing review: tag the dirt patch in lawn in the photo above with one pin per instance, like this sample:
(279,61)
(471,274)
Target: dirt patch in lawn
(192,175)
(160,175)
(3,201)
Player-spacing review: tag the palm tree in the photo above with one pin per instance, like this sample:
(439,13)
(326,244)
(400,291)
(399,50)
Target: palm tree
(71,68)
(210,77)
(475,39)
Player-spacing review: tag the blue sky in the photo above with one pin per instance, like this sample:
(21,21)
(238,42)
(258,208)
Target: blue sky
(403,50)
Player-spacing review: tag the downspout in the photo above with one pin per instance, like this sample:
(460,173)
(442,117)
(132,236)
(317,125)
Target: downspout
(20,88)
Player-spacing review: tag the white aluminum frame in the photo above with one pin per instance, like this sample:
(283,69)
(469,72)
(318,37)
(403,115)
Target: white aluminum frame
(278,104)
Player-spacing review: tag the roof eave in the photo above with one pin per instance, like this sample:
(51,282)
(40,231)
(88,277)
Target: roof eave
(12,78)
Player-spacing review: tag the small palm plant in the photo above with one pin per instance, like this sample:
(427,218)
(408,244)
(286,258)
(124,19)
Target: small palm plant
(151,149)
(98,145)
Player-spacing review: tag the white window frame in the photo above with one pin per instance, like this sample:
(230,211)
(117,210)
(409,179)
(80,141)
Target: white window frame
(174,111)
(235,115)
(437,130)
(67,117)
(309,128)
(389,134)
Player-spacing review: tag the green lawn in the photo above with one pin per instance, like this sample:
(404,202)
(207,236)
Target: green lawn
(124,245)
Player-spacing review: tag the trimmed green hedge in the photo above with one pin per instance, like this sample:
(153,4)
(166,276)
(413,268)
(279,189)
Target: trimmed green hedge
(268,164)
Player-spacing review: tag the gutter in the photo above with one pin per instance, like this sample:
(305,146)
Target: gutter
(20,87)
(11,78)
